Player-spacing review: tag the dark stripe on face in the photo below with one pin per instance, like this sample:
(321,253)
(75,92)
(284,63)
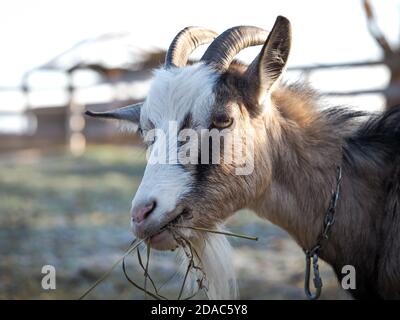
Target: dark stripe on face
(187,122)
(233,86)
(224,92)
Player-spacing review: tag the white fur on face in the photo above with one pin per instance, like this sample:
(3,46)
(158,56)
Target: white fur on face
(177,91)
(174,93)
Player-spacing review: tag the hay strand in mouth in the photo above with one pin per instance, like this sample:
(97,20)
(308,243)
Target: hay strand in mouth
(147,269)
(187,247)
(190,254)
(189,267)
(237,235)
(132,247)
(147,274)
(155,296)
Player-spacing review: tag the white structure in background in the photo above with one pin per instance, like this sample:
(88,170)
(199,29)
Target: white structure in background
(101,71)
(109,69)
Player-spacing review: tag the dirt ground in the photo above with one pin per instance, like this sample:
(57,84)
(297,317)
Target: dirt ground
(72,213)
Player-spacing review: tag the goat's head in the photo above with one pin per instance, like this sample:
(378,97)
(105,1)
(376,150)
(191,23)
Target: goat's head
(211,94)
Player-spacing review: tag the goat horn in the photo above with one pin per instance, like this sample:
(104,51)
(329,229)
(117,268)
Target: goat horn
(226,46)
(185,42)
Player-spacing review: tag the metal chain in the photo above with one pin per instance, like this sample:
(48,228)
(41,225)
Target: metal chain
(312,254)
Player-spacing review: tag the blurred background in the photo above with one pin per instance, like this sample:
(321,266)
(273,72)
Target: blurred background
(66,182)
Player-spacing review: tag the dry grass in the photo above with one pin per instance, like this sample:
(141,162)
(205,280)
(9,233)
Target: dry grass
(184,243)
(72,213)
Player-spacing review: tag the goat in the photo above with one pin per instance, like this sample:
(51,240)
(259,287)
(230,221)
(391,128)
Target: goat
(298,145)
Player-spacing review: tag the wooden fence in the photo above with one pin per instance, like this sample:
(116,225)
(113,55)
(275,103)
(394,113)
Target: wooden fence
(66,125)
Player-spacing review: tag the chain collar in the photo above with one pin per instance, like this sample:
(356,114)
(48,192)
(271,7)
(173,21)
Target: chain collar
(312,254)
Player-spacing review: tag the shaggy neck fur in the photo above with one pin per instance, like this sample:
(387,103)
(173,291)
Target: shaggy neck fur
(305,145)
(209,271)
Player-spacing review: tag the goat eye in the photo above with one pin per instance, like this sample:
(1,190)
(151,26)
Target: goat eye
(222,122)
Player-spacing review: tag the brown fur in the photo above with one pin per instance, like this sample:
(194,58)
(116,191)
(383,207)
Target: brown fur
(298,147)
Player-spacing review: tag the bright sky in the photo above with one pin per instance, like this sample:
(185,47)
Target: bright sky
(32,32)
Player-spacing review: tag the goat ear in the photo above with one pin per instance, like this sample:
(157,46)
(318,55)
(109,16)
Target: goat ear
(130,113)
(268,66)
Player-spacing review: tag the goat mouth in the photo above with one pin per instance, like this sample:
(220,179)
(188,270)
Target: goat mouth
(181,217)
(163,232)
(162,240)
(184,215)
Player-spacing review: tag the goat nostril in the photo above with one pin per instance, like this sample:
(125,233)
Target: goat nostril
(141,213)
(149,209)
